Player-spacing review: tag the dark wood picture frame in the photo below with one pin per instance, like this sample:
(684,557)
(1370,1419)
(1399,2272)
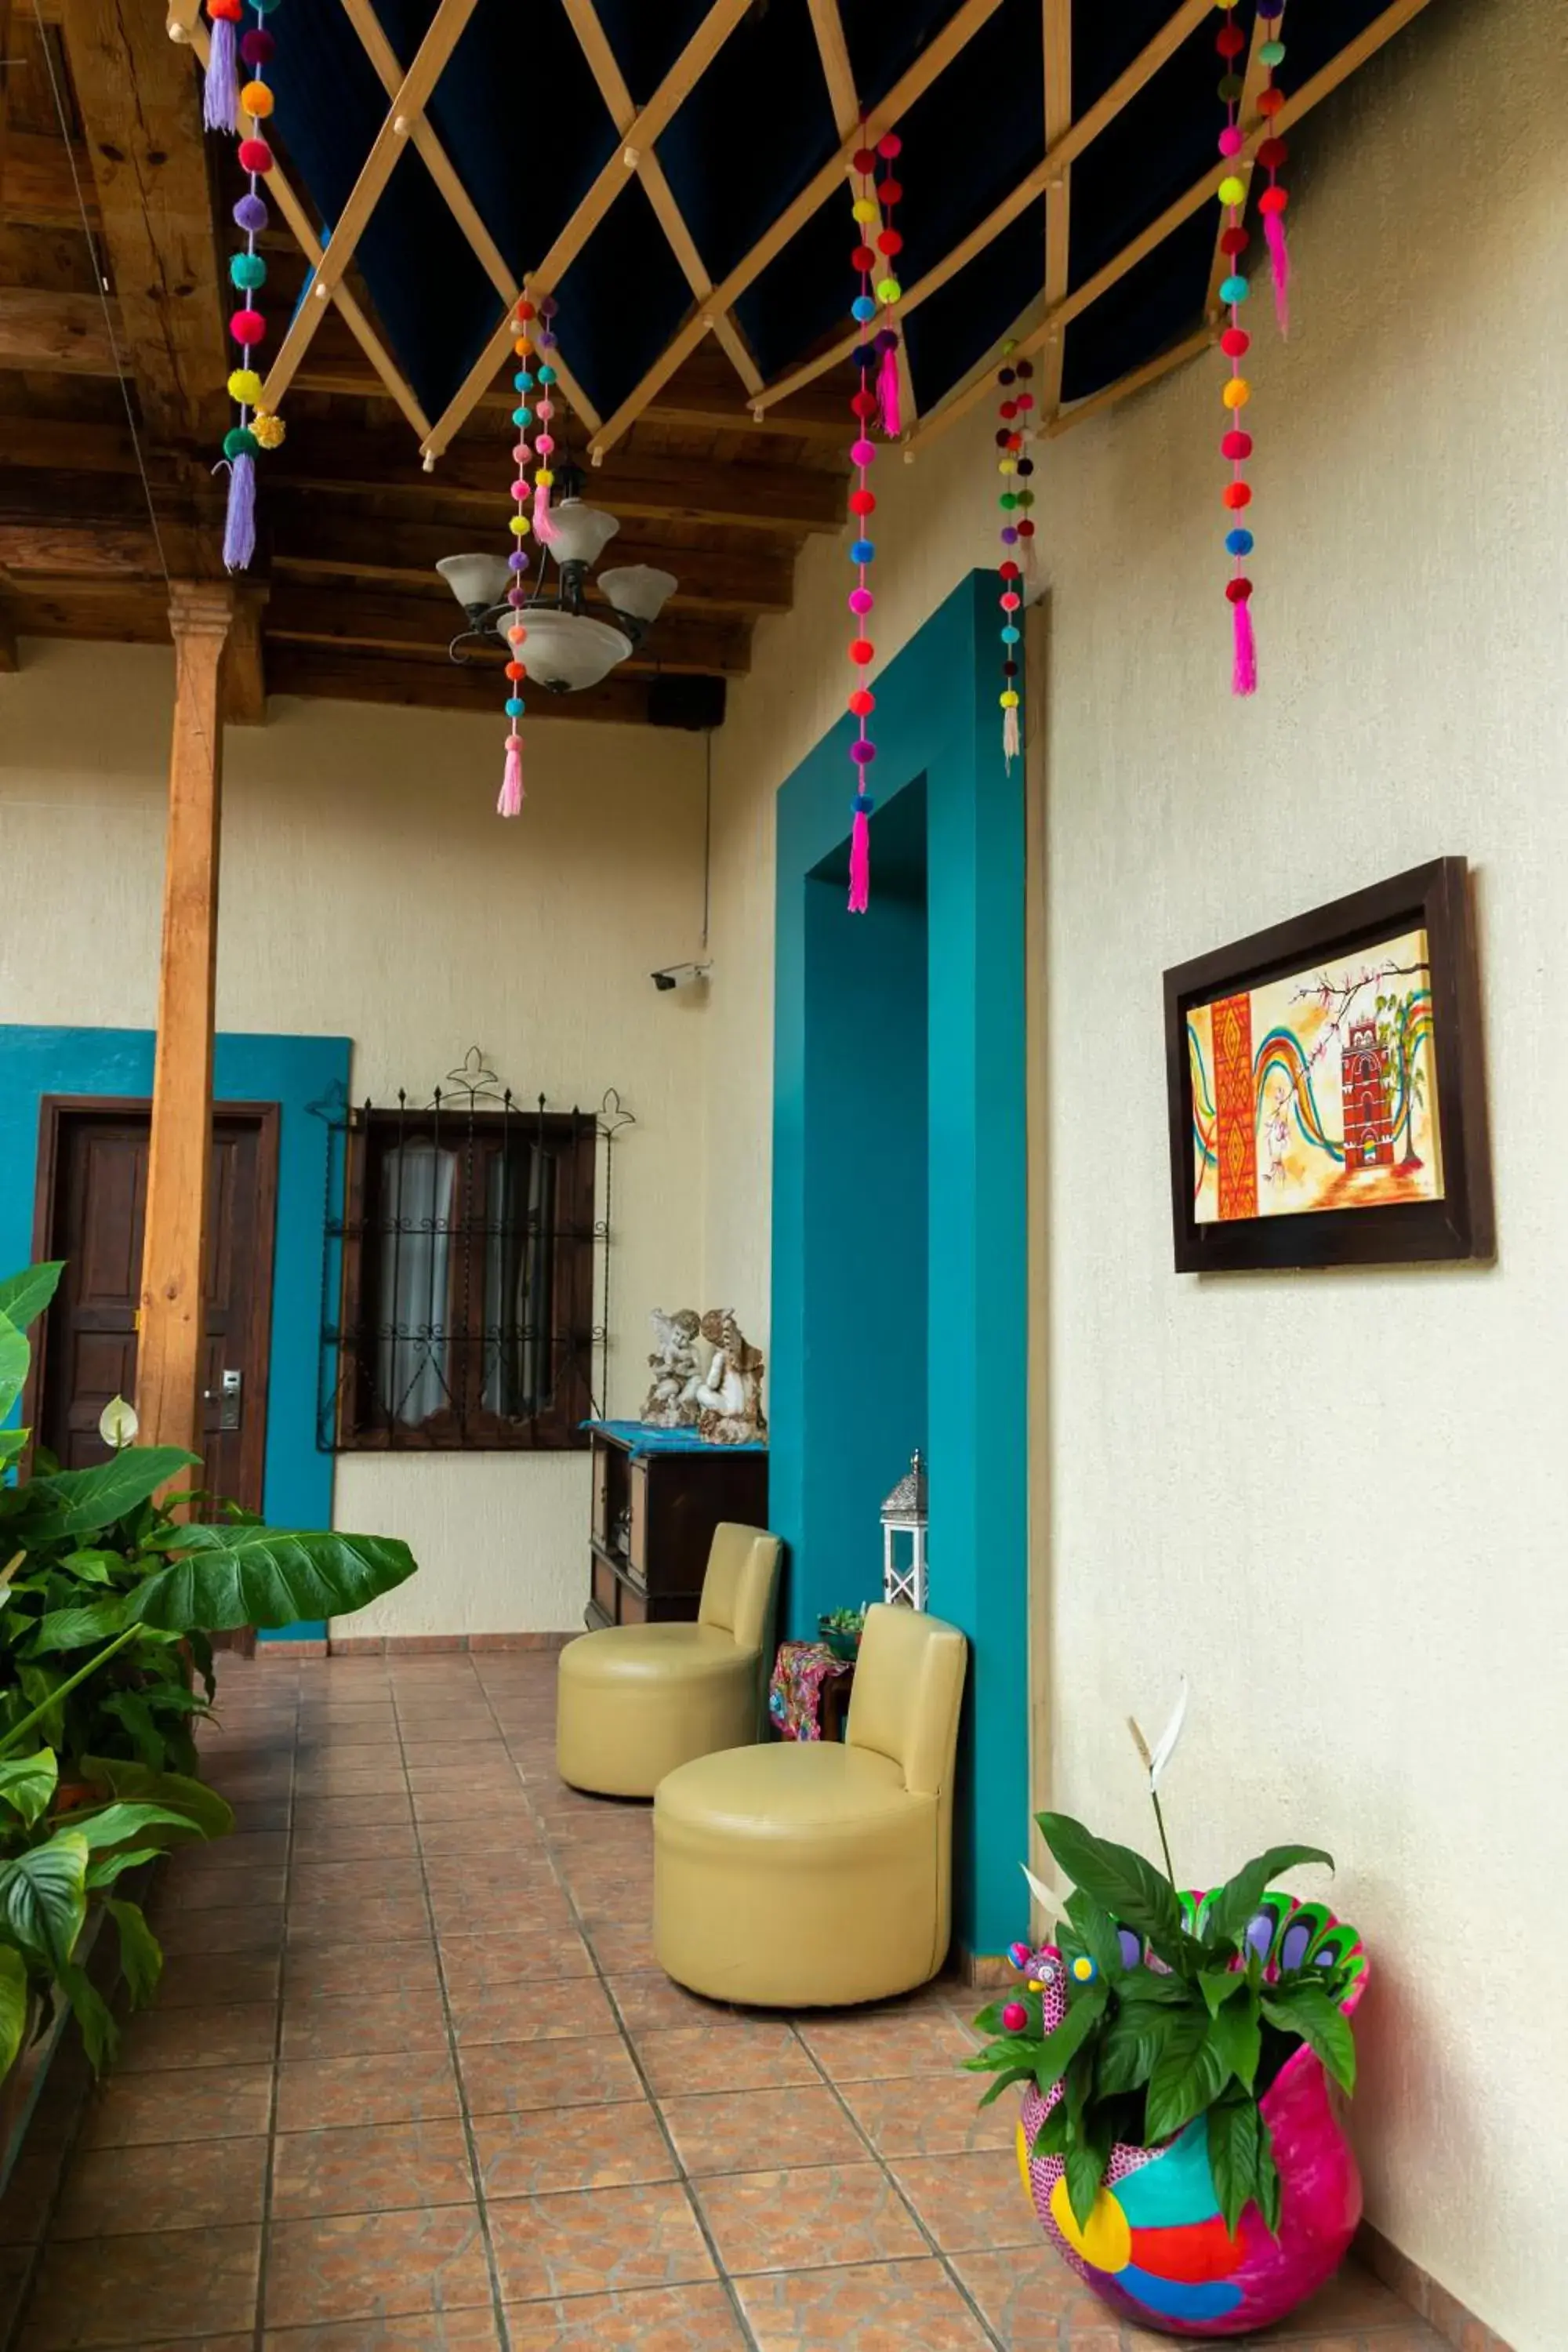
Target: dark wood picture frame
(1436,898)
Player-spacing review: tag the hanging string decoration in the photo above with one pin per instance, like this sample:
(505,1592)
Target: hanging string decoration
(1274,154)
(227,108)
(875,356)
(524,379)
(1017,530)
(1236,343)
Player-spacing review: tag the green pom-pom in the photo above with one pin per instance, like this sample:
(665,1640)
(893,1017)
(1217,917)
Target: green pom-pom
(239,441)
(247,270)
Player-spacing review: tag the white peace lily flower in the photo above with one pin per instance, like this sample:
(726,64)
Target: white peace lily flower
(118,1424)
(1053,1905)
(1169,1740)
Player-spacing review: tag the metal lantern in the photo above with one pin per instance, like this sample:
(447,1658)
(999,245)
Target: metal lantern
(904,1521)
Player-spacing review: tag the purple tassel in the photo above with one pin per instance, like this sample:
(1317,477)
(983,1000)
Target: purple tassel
(1279,264)
(239,523)
(888,393)
(511,801)
(1244,674)
(860,864)
(220,92)
(544,530)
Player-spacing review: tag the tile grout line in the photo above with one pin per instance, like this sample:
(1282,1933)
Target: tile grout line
(481,2201)
(601,1977)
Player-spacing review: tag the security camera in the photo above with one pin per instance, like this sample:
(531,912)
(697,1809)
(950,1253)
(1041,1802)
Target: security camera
(680,976)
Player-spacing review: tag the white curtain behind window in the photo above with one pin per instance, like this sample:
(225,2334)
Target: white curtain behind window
(519,1266)
(413,1372)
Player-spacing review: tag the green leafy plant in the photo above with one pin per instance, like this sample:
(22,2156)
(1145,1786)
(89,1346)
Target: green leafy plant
(841,1630)
(109,1594)
(1190,2027)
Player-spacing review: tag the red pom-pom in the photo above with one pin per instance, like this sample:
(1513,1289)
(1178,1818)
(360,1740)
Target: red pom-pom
(1026,531)
(257,48)
(1010,601)
(890,242)
(862,258)
(864,404)
(865,159)
(515,671)
(1009,570)
(248,326)
(1236,444)
(1025,368)
(862,651)
(862,503)
(1231,42)
(1237,495)
(526,311)
(1234,240)
(862,702)
(1273,154)
(891,191)
(1008,409)
(1270,101)
(255,156)
(230,10)
(1274,200)
(1236,343)
(1238,590)
(889,145)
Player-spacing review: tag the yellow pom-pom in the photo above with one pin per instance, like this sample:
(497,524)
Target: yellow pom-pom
(1237,393)
(1232,191)
(1007,465)
(1009,700)
(245,385)
(865,210)
(256,100)
(543,479)
(520,526)
(889,289)
(269,430)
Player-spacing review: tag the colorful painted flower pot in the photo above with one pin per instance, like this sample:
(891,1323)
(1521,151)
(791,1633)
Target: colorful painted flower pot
(1156,2248)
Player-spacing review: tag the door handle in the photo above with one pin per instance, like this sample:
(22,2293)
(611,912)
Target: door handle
(225,1396)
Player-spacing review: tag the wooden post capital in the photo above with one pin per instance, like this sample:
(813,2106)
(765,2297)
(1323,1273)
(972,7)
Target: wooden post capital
(202,608)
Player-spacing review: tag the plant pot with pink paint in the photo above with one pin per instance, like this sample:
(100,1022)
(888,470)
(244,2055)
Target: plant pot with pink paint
(1185,2059)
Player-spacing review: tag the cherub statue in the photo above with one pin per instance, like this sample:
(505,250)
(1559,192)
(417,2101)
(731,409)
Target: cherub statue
(731,1391)
(677,1367)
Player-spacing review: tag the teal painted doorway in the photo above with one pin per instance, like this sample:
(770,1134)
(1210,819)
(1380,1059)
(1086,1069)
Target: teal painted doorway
(900,1243)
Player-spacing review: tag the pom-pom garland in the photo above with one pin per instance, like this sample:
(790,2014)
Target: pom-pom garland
(1273,154)
(1013,381)
(874,262)
(1235,342)
(525,379)
(223,106)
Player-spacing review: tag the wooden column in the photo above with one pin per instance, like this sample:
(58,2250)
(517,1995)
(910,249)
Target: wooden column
(169,1358)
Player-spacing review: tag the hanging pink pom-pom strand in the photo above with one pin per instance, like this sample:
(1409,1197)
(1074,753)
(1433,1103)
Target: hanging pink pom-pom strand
(860,864)
(1279,267)
(510,803)
(1244,670)
(887,394)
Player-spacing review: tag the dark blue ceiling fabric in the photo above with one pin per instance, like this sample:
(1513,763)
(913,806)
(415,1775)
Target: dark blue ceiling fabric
(522,118)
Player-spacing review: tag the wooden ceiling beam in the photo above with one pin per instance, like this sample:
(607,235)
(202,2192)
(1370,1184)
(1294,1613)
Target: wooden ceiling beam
(326,672)
(1299,104)
(1057,27)
(426,625)
(245,658)
(37,186)
(66,549)
(60,334)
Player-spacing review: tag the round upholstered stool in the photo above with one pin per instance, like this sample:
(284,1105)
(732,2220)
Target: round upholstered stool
(635,1701)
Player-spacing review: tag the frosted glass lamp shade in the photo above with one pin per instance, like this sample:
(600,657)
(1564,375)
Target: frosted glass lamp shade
(640,589)
(582,533)
(475,580)
(567,649)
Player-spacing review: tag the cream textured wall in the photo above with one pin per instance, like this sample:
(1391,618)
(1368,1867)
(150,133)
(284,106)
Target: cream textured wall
(1337,1501)
(370,891)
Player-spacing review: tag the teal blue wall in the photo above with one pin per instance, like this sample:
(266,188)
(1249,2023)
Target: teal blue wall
(937,728)
(294,1073)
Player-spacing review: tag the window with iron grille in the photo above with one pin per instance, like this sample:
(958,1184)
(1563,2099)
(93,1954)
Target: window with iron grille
(468,1253)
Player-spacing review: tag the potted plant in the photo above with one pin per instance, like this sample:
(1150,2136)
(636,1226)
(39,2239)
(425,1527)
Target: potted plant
(840,1630)
(1182,2057)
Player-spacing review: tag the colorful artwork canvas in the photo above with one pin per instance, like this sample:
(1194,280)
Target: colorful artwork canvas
(1317,1091)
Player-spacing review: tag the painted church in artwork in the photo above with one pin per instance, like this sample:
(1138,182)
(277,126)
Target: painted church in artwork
(1368,1117)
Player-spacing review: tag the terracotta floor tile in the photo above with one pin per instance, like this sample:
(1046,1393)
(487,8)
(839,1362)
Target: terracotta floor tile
(1354,2300)
(574,2147)
(1031,2301)
(330,1843)
(928,2115)
(193,2185)
(499,1807)
(260,1850)
(178,2105)
(592,2242)
(451,1840)
(863,2046)
(90,2291)
(461,1912)
(969,2203)
(339,1972)
(748,2057)
(358,1918)
(621,1945)
(321,1781)
(371,2170)
(515,2078)
(650,2319)
(250,1818)
(405,2087)
(368,2266)
(650,2001)
(903,2307)
(435,2331)
(379,1875)
(765,2128)
(227,1928)
(560,2009)
(338,1812)
(481,1963)
(209,1887)
(198,1981)
(806,2220)
(359,2025)
(241,2033)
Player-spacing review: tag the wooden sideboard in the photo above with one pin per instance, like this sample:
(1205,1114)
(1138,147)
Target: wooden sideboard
(658,1496)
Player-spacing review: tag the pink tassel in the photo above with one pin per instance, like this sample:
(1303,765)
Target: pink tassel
(1010,744)
(220,91)
(239,521)
(511,794)
(1279,266)
(860,865)
(544,530)
(1244,675)
(887,394)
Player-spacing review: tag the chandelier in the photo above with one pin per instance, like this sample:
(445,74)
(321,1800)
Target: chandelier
(570,644)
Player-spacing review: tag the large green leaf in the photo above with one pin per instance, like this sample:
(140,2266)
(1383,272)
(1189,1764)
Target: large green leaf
(117,1824)
(141,1954)
(13,1446)
(208,1814)
(1095,1933)
(43,1897)
(1120,1880)
(24,1297)
(263,1577)
(1060,2047)
(1238,1898)
(80,1502)
(76,1629)
(1132,2047)
(13,2005)
(1311,2011)
(100,2034)
(1189,2077)
(1084,2166)
(15,1357)
(1237,2034)
(27,1782)
(1233,2156)
(103,1873)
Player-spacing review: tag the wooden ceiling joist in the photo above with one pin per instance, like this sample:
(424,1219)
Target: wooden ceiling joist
(62,334)
(378,622)
(40,177)
(1057,26)
(440,685)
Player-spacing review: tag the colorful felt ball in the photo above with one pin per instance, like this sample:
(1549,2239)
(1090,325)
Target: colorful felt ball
(865,161)
(247,270)
(1231,41)
(889,145)
(1010,601)
(862,308)
(861,600)
(1234,240)
(257,48)
(519,526)
(1015,2017)
(1232,191)
(1010,636)
(1269,101)
(239,442)
(862,702)
(1274,200)
(1026,531)
(1274,154)
(1237,392)
(1237,495)
(515,706)
(248,326)
(1084,1968)
(863,258)
(862,803)
(862,453)
(889,242)
(269,430)
(546,375)
(1237,446)
(256,100)
(1236,343)
(545,443)
(888,290)
(1238,542)
(1238,590)
(862,552)
(255,156)
(1009,700)
(1020,1955)
(1234,289)
(245,385)
(1232,139)
(227,11)
(862,651)
(1272,54)
(862,503)
(863,752)
(865,210)
(515,671)
(251,214)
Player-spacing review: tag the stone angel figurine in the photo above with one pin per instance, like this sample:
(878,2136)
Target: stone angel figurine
(678,1363)
(729,1394)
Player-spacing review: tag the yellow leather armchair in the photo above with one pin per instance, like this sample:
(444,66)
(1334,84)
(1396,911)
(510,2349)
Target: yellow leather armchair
(635,1701)
(813,1875)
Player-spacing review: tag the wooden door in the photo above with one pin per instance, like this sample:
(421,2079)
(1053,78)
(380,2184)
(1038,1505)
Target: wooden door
(93,1207)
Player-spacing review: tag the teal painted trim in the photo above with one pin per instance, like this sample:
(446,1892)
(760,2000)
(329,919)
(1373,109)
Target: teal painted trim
(937,720)
(294,1073)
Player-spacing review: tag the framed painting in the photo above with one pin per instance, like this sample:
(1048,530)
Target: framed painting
(1325,1087)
